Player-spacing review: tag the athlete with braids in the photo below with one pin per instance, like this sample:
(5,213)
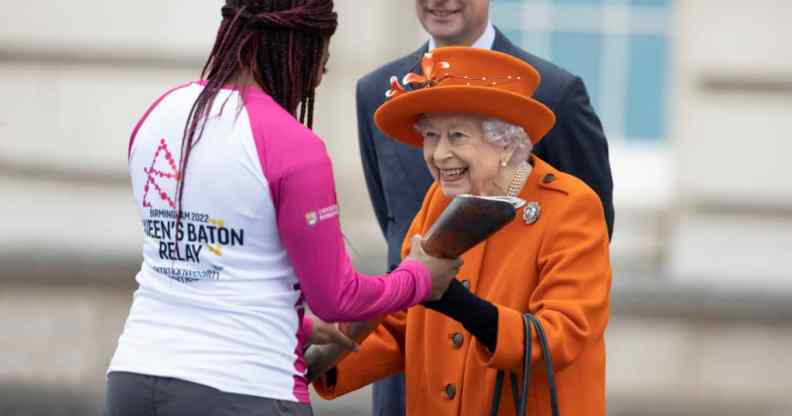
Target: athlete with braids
(240,221)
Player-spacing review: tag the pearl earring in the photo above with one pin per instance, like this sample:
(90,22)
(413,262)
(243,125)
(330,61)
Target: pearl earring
(503,163)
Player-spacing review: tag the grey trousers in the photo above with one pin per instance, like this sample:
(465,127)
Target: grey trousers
(131,394)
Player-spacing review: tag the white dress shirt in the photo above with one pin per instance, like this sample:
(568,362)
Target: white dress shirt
(485,41)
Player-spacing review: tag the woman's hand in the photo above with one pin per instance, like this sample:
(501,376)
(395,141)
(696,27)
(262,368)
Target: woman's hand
(442,270)
(324,333)
(321,359)
(328,345)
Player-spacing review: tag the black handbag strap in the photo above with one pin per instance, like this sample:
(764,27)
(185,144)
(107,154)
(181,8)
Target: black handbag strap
(548,359)
(496,394)
(521,397)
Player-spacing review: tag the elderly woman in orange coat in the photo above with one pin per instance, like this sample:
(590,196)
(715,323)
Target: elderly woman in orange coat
(472,113)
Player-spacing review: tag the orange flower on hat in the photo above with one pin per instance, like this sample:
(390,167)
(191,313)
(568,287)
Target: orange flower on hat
(428,79)
(429,76)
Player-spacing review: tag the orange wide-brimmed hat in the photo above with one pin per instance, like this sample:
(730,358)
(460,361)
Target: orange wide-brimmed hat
(465,80)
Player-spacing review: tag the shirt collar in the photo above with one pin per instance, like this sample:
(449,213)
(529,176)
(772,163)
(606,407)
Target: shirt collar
(485,41)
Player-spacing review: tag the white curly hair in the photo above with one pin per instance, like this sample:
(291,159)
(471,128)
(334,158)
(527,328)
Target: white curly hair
(506,134)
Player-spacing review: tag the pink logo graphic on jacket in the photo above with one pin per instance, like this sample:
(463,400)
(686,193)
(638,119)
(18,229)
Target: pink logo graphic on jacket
(157,175)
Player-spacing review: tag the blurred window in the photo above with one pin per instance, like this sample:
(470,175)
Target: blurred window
(619,47)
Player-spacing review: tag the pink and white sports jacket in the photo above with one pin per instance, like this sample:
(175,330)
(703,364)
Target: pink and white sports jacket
(220,297)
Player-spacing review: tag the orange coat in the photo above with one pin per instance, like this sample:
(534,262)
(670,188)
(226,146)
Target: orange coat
(557,268)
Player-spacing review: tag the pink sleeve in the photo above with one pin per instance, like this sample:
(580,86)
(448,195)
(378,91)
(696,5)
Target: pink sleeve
(300,177)
(311,233)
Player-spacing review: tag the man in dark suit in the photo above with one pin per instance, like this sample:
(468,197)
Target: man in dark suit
(396,174)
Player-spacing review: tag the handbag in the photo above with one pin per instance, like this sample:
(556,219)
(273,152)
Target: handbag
(521,397)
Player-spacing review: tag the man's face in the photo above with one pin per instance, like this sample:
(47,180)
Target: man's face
(453,22)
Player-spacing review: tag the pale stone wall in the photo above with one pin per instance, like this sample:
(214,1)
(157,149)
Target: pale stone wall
(76,75)
(732,118)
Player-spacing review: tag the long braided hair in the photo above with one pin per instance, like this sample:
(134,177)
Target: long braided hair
(279,44)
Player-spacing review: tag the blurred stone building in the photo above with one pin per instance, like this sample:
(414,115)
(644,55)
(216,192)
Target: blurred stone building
(695,95)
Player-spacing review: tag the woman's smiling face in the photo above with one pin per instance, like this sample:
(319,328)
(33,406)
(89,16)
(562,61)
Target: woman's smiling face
(458,155)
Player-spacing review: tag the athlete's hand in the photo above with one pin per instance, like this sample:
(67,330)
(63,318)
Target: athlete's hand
(324,333)
(442,270)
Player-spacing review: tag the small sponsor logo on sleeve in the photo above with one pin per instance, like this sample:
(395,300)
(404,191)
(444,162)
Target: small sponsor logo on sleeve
(323,214)
(328,212)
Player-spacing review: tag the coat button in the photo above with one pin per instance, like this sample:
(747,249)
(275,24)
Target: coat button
(466,284)
(549,178)
(450,391)
(457,339)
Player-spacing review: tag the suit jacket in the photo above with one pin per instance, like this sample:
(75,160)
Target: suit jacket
(397,176)
(564,280)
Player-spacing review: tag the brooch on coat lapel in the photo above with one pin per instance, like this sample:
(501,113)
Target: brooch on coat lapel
(531,212)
